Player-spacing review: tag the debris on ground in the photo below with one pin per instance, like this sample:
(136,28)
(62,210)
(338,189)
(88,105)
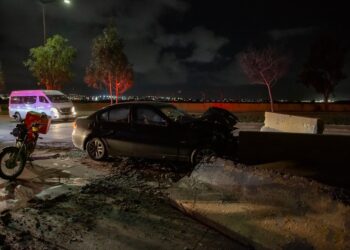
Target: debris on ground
(54,192)
(267,209)
(127,209)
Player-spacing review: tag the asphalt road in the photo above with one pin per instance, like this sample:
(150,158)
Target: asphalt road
(59,133)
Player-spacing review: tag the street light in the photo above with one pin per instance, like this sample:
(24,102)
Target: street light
(43,3)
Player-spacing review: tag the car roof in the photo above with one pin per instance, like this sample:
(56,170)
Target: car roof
(135,103)
(146,103)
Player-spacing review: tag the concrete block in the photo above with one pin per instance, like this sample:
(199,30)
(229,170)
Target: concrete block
(8,205)
(54,192)
(260,147)
(275,122)
(263,209)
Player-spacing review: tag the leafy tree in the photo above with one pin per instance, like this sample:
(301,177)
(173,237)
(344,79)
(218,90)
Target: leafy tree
(109,67)
(2,79)
(50,63)
(323,69)
(265,66)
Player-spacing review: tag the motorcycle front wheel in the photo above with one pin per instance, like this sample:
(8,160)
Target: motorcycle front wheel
(12,163)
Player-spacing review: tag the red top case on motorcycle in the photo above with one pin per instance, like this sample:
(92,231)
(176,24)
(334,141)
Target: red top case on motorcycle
(43,121)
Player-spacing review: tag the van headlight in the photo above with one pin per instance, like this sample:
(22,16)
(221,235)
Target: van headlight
(73,110)
(54,112)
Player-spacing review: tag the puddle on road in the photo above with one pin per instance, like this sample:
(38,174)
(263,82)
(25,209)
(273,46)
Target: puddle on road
(48,169)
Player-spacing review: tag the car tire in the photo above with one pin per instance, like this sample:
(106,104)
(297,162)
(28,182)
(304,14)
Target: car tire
(96,149)
(198,154)
(18,117)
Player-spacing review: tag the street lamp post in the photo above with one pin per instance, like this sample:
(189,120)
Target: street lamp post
(43,3)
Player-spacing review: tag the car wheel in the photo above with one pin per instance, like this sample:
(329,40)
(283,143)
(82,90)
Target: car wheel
(199,154)
(96,149)
(18,117)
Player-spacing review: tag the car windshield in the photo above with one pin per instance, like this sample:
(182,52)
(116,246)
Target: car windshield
(58,98)
(173,113)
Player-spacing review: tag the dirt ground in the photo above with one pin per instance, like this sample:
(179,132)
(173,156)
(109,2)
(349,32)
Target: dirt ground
(127,208)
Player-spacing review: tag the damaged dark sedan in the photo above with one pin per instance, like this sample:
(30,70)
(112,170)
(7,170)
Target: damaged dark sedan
(155,131)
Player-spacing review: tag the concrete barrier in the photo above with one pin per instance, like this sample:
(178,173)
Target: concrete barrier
(260,147)
(275,122)
(262,107)
(264,209)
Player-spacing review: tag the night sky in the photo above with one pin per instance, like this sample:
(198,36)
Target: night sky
(178,47)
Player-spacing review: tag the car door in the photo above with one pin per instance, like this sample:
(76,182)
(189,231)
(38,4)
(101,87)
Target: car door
(152,134)
(114,127)
(43,105)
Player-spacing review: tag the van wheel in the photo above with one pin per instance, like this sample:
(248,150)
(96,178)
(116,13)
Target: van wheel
(96,149)
(18,117)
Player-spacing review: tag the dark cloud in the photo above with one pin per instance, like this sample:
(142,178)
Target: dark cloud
(187,45)
(137,22)
(205,44)
(287,33)
(170,71)
(232,73)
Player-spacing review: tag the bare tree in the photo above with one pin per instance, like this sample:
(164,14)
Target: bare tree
(265,66)
(324,67)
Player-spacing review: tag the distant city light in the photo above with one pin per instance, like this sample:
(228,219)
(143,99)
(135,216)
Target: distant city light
(107,98)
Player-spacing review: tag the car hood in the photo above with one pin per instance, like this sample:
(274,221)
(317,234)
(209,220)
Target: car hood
(61,105)
(212,118)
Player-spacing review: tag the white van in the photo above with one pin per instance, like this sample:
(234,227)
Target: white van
(51,102)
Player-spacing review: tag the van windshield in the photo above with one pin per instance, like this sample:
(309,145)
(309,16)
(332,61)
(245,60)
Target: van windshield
(58,98)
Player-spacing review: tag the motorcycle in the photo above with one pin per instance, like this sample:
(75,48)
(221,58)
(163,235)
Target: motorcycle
(13,159)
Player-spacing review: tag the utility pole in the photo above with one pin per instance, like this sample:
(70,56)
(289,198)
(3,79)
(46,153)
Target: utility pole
(43,5)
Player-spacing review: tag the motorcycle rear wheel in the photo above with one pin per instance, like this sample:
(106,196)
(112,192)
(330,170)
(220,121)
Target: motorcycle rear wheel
(12,163)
